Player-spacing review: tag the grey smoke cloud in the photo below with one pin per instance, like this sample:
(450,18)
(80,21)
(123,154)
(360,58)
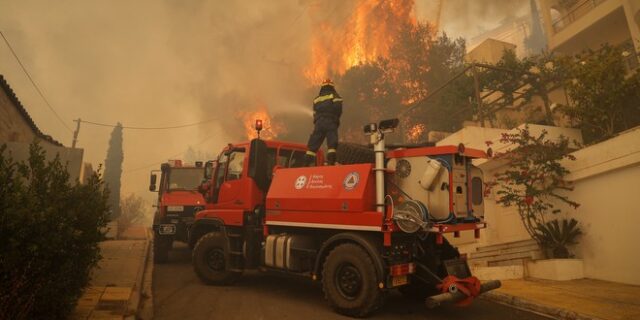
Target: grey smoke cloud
(162,63)
(469,18)
(156,63)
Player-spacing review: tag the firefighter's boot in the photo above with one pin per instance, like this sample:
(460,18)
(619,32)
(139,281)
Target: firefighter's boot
(310,159)
(331,157)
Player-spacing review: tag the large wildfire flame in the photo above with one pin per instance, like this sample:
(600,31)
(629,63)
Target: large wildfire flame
(364,35)
(344,35)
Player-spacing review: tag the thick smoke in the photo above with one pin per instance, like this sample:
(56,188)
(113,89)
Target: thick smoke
(158,63)
(162,63)
(465,18)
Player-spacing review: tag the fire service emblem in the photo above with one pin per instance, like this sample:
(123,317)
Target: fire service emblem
(351,181)
(301,182)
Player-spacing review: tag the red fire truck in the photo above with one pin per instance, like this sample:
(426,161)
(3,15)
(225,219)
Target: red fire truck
(360,229)
(178,202)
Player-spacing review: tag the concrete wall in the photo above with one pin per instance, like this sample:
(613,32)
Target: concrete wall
(605,177)
(71,157)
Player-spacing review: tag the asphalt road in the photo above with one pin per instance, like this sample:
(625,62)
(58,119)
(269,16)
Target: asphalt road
(178,294)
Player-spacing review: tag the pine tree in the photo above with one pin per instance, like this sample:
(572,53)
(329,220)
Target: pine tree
(113,170)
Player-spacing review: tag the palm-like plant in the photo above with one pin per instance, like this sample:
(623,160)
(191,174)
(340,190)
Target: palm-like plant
(556,236)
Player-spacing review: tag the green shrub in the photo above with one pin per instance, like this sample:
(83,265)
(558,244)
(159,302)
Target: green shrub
(49,234)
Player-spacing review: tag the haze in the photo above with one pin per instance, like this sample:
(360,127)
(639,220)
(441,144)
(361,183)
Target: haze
(165,63)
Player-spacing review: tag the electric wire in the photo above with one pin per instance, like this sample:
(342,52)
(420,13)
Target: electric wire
(149,128)
(34,83)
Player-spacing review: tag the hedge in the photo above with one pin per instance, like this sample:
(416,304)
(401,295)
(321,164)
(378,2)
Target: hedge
(49,234)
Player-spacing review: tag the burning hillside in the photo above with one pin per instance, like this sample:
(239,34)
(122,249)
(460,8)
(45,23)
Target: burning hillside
(379,55)
(367,32)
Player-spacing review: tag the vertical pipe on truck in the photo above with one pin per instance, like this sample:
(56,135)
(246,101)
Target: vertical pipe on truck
(377,139)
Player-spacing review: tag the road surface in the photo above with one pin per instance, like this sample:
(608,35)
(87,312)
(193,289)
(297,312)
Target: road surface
(179,294)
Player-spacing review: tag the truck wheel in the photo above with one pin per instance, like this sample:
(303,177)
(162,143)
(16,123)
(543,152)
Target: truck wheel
(210,260)
(161,247)
(349,281)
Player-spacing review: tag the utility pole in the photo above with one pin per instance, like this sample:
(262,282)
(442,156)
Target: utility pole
(75,133)
(476,86)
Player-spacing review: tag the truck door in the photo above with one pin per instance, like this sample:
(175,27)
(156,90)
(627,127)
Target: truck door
(231,190)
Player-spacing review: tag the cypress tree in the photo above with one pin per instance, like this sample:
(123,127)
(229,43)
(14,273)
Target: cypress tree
(113,169)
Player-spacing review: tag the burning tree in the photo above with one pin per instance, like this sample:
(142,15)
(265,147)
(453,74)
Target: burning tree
(418,61)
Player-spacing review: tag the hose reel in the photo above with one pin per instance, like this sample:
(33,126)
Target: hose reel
(411,216)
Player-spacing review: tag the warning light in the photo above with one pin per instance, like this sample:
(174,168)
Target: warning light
(258,126)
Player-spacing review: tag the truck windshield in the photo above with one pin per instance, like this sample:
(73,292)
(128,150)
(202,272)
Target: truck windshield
(185,178)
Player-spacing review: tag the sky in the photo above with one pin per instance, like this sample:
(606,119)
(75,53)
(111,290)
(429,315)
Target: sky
(154,63)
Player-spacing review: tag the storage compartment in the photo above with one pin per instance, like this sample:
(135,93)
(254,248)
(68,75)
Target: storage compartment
(290,252)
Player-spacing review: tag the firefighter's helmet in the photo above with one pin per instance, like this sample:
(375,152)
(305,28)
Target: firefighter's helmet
(327,82)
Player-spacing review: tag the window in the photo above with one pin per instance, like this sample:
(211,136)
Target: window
(283,158)
(185,178)
(222,167)
(236,165)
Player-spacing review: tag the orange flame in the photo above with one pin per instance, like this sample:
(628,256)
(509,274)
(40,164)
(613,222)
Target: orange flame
(415,133)
(366,34)
(270,129)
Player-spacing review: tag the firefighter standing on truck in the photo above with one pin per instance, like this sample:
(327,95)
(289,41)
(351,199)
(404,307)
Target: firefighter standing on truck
(327,109)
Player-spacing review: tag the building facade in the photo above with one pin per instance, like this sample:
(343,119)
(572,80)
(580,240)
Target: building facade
(18,131)
(572,26)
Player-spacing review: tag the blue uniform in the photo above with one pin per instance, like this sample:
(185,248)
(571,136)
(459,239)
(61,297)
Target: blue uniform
(327,109)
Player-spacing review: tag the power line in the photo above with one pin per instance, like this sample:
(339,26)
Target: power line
(34,83)
(149,128)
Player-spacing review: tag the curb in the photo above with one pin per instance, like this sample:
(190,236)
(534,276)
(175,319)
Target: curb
(133,305)
(532,306)
(145,310)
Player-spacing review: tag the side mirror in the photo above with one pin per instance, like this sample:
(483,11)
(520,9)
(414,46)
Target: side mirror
(258,164)
(152,182)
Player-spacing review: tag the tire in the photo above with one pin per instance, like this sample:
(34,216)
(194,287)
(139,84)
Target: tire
(161,247)
(210,259)
(352,153)
(349,281)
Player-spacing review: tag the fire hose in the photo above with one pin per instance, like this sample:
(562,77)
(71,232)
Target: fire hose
(461,291)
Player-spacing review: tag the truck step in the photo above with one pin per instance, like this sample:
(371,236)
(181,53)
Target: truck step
(236,270)
(237,253)
(234,235)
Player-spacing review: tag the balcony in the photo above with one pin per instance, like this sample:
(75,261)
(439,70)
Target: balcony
(575,12)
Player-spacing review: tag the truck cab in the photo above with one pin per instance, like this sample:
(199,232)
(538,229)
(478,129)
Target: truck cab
(178,201)
(236,187)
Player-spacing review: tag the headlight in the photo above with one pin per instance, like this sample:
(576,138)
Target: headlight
(175,208)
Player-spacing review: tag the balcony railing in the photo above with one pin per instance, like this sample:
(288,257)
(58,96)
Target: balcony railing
(575,12)
(630,56)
